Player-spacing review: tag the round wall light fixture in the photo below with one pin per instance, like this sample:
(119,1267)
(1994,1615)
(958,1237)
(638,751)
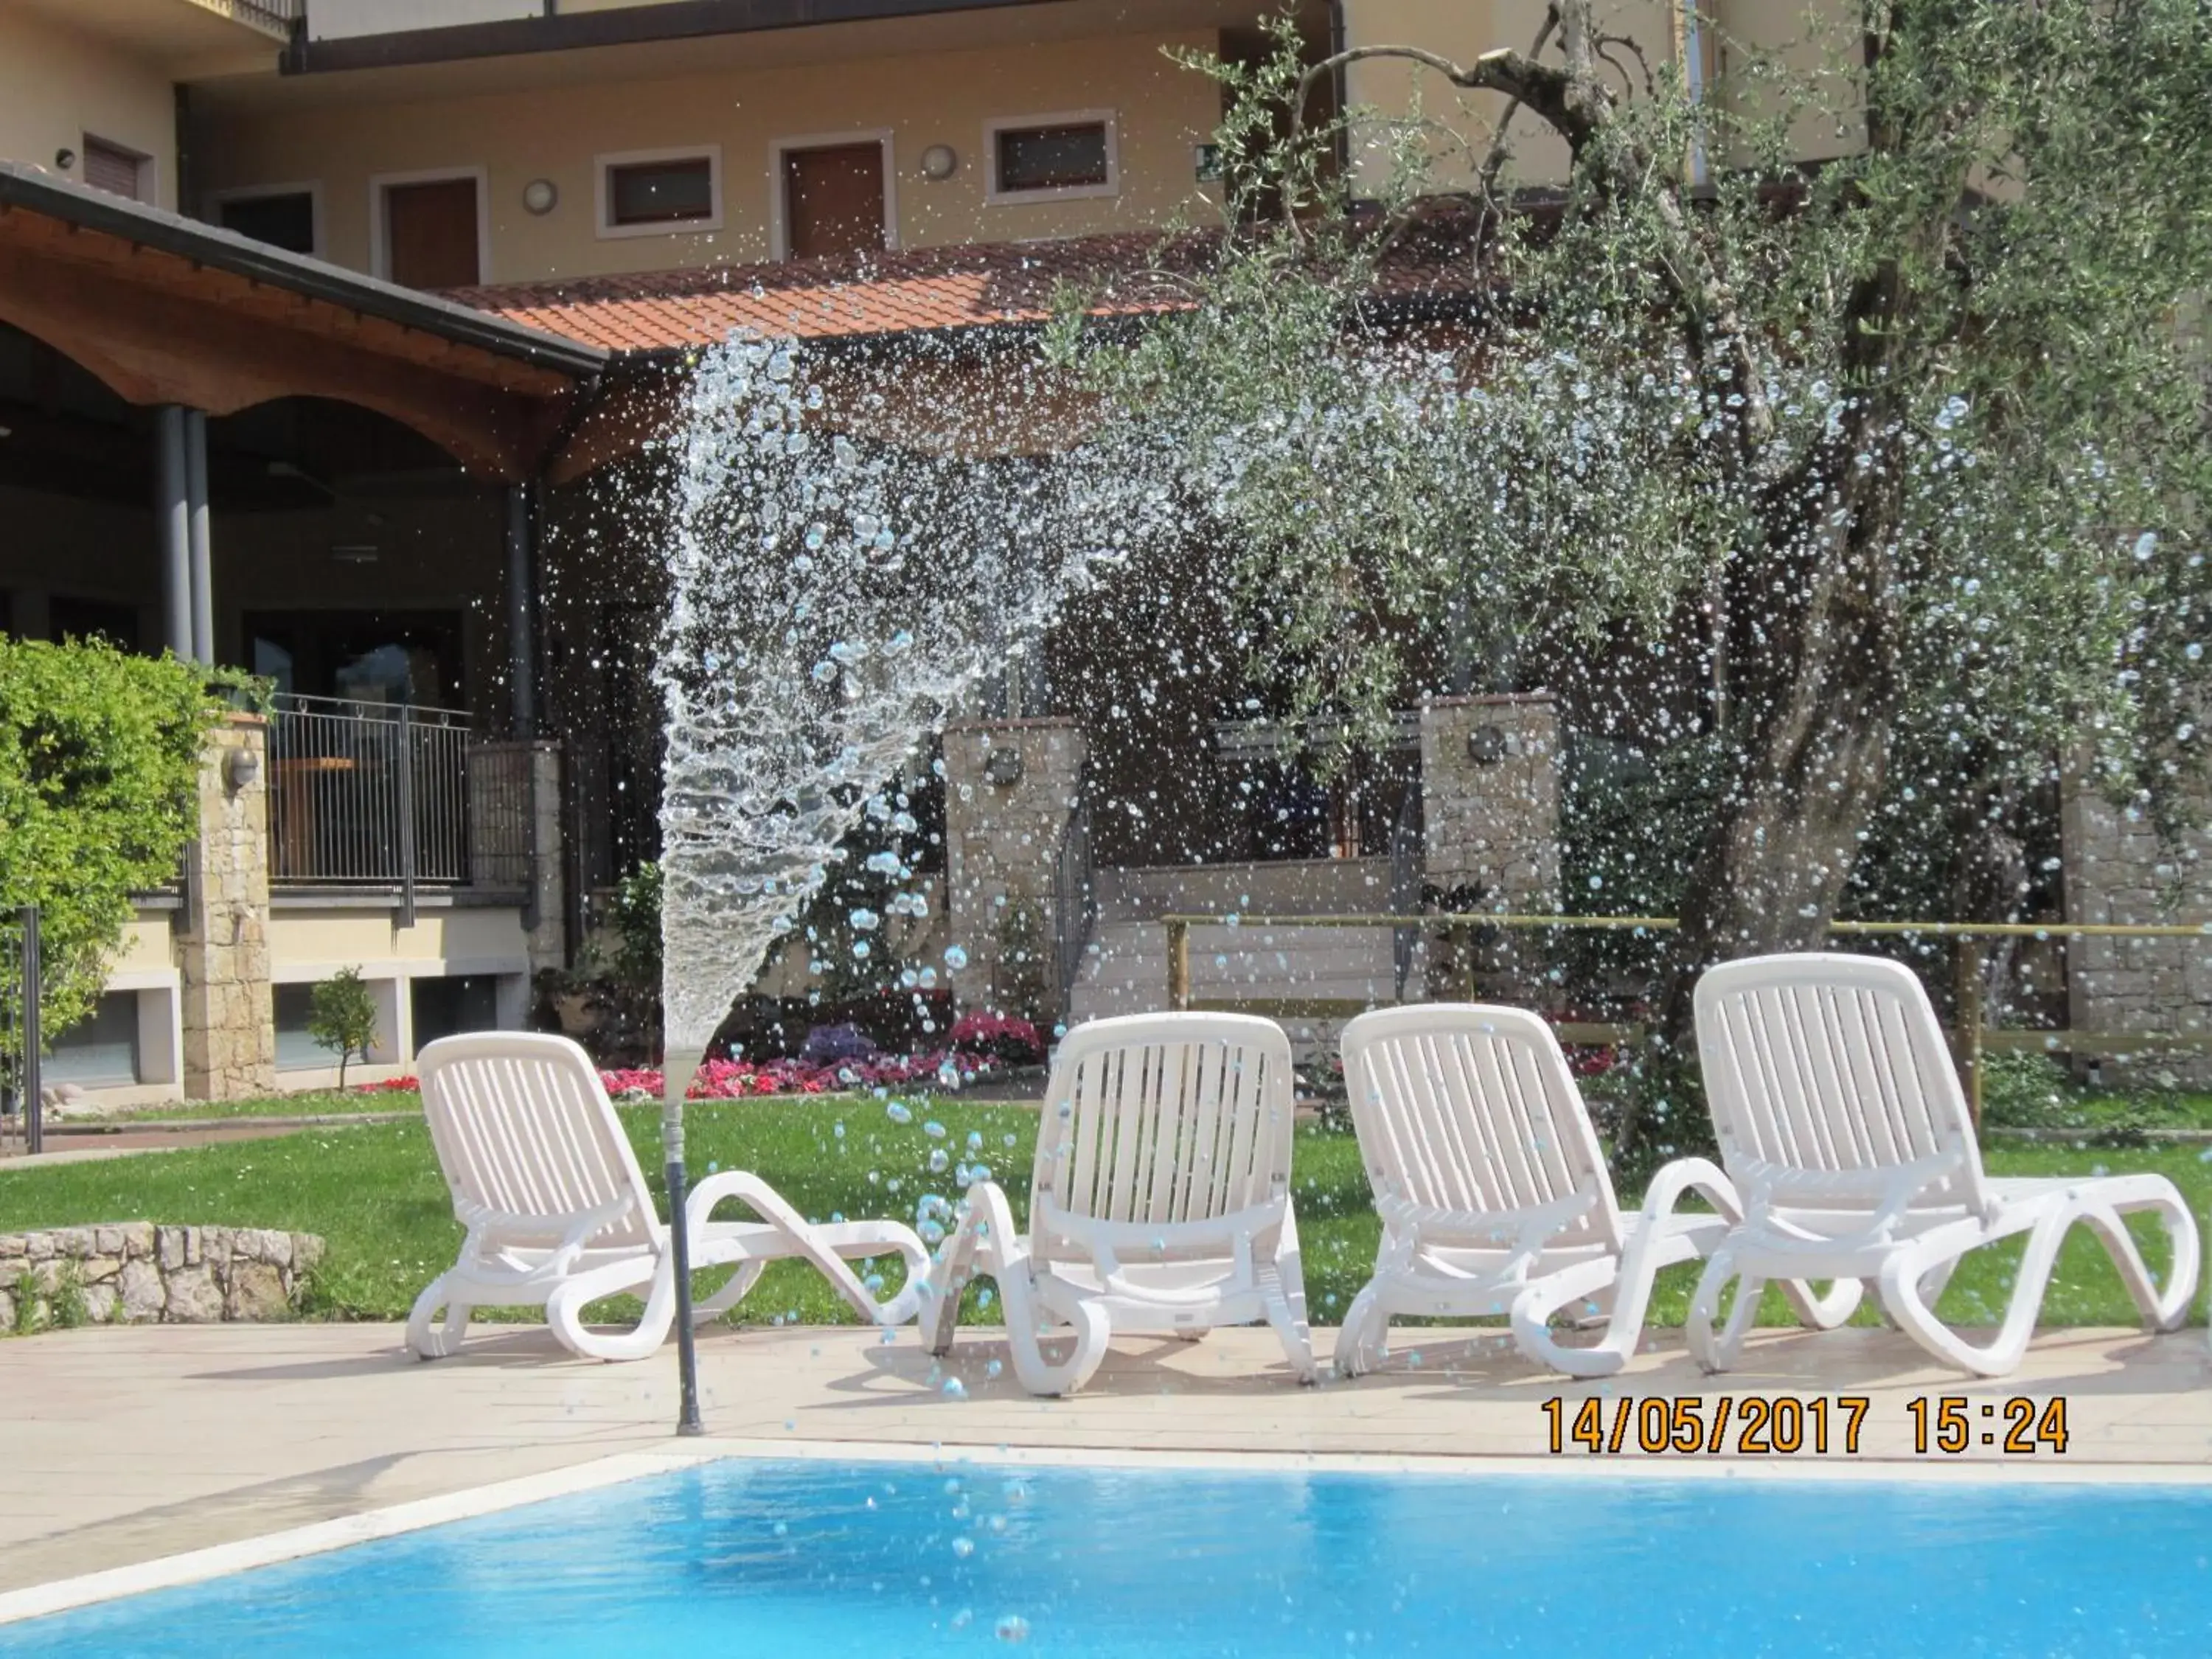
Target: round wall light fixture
(539,195)
(64,159)
(938,162)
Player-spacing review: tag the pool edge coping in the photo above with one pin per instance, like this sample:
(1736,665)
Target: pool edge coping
(415,1515)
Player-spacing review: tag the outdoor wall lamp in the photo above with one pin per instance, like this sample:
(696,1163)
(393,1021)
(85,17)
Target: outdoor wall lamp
(1003,766)
(539,195)
(64,158)
(239,768)
(1486,746)
(938,162)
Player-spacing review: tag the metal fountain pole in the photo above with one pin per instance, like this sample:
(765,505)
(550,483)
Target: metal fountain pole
(679,1066)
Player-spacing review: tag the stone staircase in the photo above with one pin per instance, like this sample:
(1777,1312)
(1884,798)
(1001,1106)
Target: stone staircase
(1125,965)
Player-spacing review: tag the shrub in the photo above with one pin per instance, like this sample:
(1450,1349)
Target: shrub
(341,1018)
(2027,1091)
(100,757)
(635,918)
(999,1037)
(69,1308)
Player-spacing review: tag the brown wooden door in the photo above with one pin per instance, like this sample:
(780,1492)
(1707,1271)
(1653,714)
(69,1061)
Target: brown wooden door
(833,200)
(430,233)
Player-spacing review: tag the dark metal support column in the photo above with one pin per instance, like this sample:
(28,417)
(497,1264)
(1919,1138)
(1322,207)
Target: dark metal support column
(406,810)
(173,521)
(34,1100)
(522,610)
(196,497)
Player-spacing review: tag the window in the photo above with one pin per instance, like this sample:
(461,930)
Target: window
(100,1051)
(297,1048)
(655,193)
(1053,155)
(453,1003)
(110,167)
(281,218)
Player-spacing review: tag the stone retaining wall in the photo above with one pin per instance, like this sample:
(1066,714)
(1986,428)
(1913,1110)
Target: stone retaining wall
(2119,870)
(137,1272)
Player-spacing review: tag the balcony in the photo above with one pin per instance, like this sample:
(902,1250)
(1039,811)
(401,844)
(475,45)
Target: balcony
(394,797)
(192,36)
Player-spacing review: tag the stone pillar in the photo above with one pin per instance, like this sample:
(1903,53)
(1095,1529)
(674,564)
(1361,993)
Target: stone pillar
(2118,871)
(1490,799)
(1012,789)
(514,838)
(229,1016)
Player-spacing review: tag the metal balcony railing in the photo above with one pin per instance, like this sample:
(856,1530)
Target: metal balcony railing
(376,794)
(277,16)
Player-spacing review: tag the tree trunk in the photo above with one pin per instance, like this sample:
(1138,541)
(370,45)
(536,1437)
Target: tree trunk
(1815,646)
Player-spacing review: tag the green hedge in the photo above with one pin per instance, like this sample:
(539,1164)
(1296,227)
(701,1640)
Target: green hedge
(99,757)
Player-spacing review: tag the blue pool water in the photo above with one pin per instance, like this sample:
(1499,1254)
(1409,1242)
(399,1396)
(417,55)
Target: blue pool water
(815,1560)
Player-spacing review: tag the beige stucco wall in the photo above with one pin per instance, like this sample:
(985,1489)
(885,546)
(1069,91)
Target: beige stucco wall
(1462,30)
(945,98)
(312,943)
(148,945)
(57,85)
(1802,33)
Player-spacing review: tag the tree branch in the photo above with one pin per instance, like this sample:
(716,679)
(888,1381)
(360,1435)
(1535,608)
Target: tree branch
(1552,93)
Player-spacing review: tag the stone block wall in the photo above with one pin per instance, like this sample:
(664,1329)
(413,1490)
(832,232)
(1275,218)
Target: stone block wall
(230,1016)
(1490,797)
(514,809)
(138,1273)
(1012,791)
(2118,870)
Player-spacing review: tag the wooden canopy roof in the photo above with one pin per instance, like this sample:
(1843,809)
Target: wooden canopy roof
(166,310)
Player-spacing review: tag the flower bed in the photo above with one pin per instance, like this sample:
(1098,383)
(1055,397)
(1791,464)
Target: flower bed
(738,1079)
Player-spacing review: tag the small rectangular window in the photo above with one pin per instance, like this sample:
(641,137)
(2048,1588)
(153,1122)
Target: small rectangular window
(283,219)
(297,1048)
(452,1003)
(101,1050)
(672,192)
(1067,155)
(113,168)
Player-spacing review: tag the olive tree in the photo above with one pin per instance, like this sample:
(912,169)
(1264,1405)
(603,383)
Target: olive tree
(1909,445)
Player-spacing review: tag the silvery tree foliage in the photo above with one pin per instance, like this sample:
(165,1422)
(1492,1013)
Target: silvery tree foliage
(1908,443)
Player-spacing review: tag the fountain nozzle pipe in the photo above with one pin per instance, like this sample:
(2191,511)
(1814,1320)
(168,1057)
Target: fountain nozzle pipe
(678,1067)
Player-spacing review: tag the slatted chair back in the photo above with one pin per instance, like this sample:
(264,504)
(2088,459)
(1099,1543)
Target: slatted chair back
(1469,1109)
(1828,1067)
(528,1138)
(1165,1120)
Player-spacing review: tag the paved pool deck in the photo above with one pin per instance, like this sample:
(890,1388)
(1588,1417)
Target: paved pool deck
(119,1446)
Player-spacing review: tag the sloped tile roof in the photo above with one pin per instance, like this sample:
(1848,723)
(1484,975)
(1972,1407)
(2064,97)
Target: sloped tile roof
(977,285)
(974,286)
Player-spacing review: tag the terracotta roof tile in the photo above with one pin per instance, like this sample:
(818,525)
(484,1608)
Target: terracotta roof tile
(966,286)
(973,286)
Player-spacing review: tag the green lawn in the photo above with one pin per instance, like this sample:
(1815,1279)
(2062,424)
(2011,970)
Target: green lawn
(313,1103)
(374,1193)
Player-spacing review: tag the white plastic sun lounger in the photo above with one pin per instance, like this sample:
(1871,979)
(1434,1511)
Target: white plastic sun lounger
(1493,1192)
(1843,1124)
(558,1213)
(1160,1203)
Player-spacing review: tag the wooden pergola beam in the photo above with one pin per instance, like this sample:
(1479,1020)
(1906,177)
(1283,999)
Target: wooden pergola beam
(156,331)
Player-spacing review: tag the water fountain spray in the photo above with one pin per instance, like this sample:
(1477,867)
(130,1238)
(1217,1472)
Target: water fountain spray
(833,601)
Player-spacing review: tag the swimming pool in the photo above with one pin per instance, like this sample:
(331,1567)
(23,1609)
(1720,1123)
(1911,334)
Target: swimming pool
(810,1558)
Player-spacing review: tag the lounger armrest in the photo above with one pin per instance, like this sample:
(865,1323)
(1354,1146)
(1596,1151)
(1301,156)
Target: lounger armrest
(1891,1190)
(1524,1232)
(1688,1175)
(1108,1241)
(489,1225)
